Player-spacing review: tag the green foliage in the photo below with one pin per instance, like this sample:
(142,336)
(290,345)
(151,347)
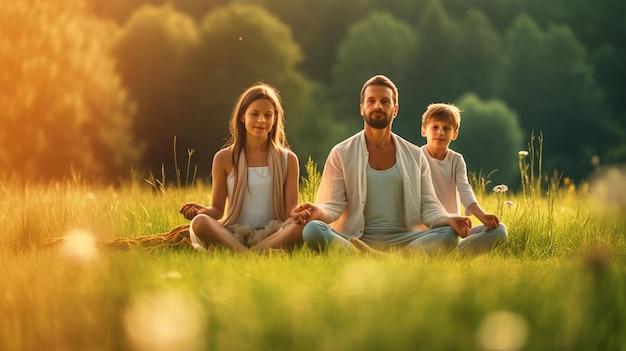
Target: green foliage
(243,43)
(551,66)
(436,72)
(310,185)
(154,52)
(559,68)
(489,137)
(63,109)
(483,57)
(309,120)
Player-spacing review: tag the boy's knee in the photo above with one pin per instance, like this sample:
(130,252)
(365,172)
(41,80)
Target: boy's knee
(438,241)
(500,233)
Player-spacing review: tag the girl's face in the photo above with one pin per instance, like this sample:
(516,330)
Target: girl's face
(259,118)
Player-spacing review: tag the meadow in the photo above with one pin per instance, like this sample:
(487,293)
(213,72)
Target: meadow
(558,283)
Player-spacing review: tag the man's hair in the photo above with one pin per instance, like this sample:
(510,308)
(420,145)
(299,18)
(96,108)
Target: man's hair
(447,113)
(381,80)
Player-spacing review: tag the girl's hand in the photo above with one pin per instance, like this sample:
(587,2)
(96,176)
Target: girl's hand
(300,215)
(191,209)
(306,213)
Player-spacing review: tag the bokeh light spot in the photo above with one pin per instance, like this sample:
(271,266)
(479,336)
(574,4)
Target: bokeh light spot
(502,331)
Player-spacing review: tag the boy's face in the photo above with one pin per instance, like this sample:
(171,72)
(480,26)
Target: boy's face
(439,133)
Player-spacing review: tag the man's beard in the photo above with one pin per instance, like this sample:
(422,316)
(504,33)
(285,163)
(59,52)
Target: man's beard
(377,123)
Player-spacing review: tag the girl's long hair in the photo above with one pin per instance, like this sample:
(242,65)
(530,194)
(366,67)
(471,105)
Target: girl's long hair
(276,150)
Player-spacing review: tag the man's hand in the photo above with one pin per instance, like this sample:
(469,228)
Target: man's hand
(461,225)
(305,213)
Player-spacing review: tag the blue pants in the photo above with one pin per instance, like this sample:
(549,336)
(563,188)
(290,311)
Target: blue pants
(480,240)
(319,236)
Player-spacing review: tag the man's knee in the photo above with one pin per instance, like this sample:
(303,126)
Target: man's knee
(313,231)
(316,235)
(449,237)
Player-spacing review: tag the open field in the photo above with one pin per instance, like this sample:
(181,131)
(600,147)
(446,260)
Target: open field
(558,283)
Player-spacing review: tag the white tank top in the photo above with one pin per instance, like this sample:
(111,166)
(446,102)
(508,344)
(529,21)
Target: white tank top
(383,206)
(258,207)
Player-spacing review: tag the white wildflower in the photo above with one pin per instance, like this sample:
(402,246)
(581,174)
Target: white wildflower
(500,188)
(523,153)
(509,203)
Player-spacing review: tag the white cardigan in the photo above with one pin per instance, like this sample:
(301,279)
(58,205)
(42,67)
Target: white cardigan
(450,181)
(343,188)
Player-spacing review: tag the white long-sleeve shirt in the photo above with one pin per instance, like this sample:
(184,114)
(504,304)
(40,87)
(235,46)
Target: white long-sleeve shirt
(343,188)
(450,181)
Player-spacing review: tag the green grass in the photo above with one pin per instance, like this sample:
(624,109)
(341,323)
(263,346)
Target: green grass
(558,283)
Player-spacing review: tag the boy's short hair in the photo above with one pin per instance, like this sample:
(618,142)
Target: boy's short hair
(447,113)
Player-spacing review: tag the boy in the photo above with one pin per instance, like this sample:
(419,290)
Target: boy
(440,125)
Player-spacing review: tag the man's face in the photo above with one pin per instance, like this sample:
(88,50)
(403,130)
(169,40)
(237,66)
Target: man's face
(378,107)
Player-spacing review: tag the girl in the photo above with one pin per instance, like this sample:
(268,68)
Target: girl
(258,176)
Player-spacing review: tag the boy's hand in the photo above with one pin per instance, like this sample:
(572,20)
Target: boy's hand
(491,221)
(461,225)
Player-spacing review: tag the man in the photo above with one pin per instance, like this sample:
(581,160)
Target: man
(376,189)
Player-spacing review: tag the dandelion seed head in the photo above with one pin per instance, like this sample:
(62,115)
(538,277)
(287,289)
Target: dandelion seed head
(164,321)
(500,188)
(502,331)
(523,153)
(78,246)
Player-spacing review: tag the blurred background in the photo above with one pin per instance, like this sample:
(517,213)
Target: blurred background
(101,89)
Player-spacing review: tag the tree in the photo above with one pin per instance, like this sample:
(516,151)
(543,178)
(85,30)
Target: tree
(310,126)
(550,84)
(319,27)
(63,110)
(437,60)
(154,55)
(489,138)
(482,55)
(378,44)
(122,10)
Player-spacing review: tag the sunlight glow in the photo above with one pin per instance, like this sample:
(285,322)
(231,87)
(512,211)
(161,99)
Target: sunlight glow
(164,321)
(79,246)
(502,331)
(607,186)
